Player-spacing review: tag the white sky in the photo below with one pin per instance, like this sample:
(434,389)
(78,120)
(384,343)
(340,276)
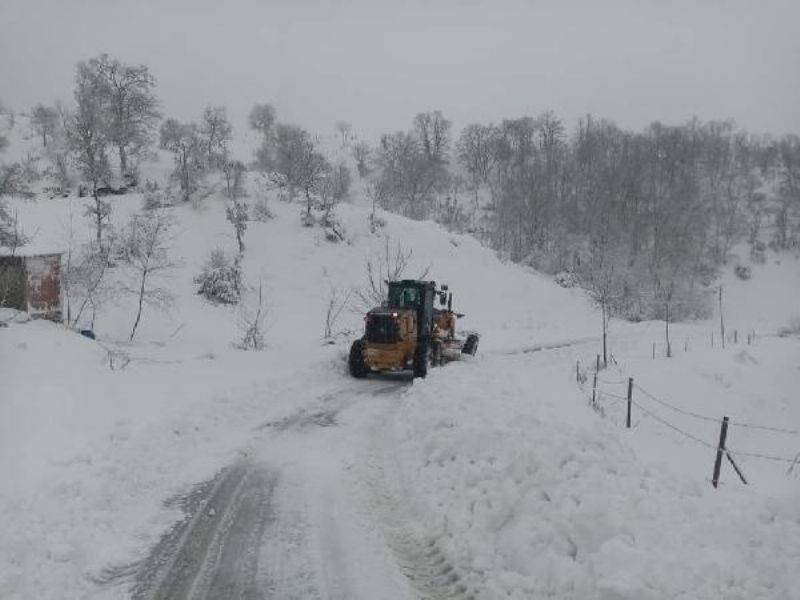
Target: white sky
(376,64)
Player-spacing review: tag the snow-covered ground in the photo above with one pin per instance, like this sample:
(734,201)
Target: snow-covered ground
(492,478)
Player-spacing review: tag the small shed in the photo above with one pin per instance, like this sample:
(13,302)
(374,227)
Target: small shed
(32,283)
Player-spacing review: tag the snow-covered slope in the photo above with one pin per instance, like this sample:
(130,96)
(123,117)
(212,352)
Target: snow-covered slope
(498,461)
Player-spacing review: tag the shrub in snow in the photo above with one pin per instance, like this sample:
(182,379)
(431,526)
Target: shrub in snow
(252,317)
(793,328)
(261,211)
(566,279)
(155,198)
(307,219)
(221,279)
(334,232)
(757,252)
(376,223)
(743,272)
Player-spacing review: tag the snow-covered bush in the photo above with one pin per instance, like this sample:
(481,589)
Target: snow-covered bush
(758,252)
(221,279)
(566,279)
(155,197)
(307,219)
(334,231)
(743,272)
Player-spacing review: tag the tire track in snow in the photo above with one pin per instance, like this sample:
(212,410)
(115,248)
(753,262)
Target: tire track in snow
(213,553)
(233,520)
(431,574)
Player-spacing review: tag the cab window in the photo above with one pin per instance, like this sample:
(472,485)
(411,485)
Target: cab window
(405,297)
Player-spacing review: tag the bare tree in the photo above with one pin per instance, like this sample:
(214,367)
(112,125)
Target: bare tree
(335,187)
(295,163)
(236,213)
(407,177)
(345,131)
(433,132)
(183,140)
(337,302)
(147,251)
(361,152)
(44,120)
(86,278)
(474,149)
(129,102)
(390,266)
(234,172)
(215,132)
(252,318)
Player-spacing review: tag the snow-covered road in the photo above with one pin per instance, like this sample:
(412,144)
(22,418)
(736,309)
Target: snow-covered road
(308,511)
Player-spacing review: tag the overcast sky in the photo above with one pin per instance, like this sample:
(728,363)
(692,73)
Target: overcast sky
(376,64)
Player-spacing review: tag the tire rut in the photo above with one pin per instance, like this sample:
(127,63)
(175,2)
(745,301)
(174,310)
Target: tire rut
(213,552)
(419,554)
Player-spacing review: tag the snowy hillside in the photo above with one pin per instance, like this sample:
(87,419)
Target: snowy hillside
(492,478)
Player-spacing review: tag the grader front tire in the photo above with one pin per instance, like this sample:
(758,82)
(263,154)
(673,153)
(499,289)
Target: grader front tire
(356,361)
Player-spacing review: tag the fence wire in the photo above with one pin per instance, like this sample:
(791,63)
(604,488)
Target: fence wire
(599,393)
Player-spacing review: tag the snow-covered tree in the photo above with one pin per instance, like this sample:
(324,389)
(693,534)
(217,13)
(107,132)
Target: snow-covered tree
(236,213)
(128,100)
(215,132)
(183,140)
(44,121)
(87,133)
(234,172)
(294,162)
(362,154)
(262,120)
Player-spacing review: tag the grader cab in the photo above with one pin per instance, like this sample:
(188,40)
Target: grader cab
(409,332)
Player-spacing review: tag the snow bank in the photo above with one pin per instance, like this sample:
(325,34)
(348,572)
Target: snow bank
(535,495)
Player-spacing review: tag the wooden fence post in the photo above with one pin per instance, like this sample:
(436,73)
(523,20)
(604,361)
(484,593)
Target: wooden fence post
(736,467)
(597,364)
(630,397)
(654,350)
(735,336)
(578,371)
(594,390)
(723,433)
(721,320)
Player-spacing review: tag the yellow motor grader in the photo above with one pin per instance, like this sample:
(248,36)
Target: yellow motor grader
(408,332)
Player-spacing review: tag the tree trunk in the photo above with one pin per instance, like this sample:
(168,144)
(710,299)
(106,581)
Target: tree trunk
(139,312)
(123,161)
(185,177)
(98,215)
